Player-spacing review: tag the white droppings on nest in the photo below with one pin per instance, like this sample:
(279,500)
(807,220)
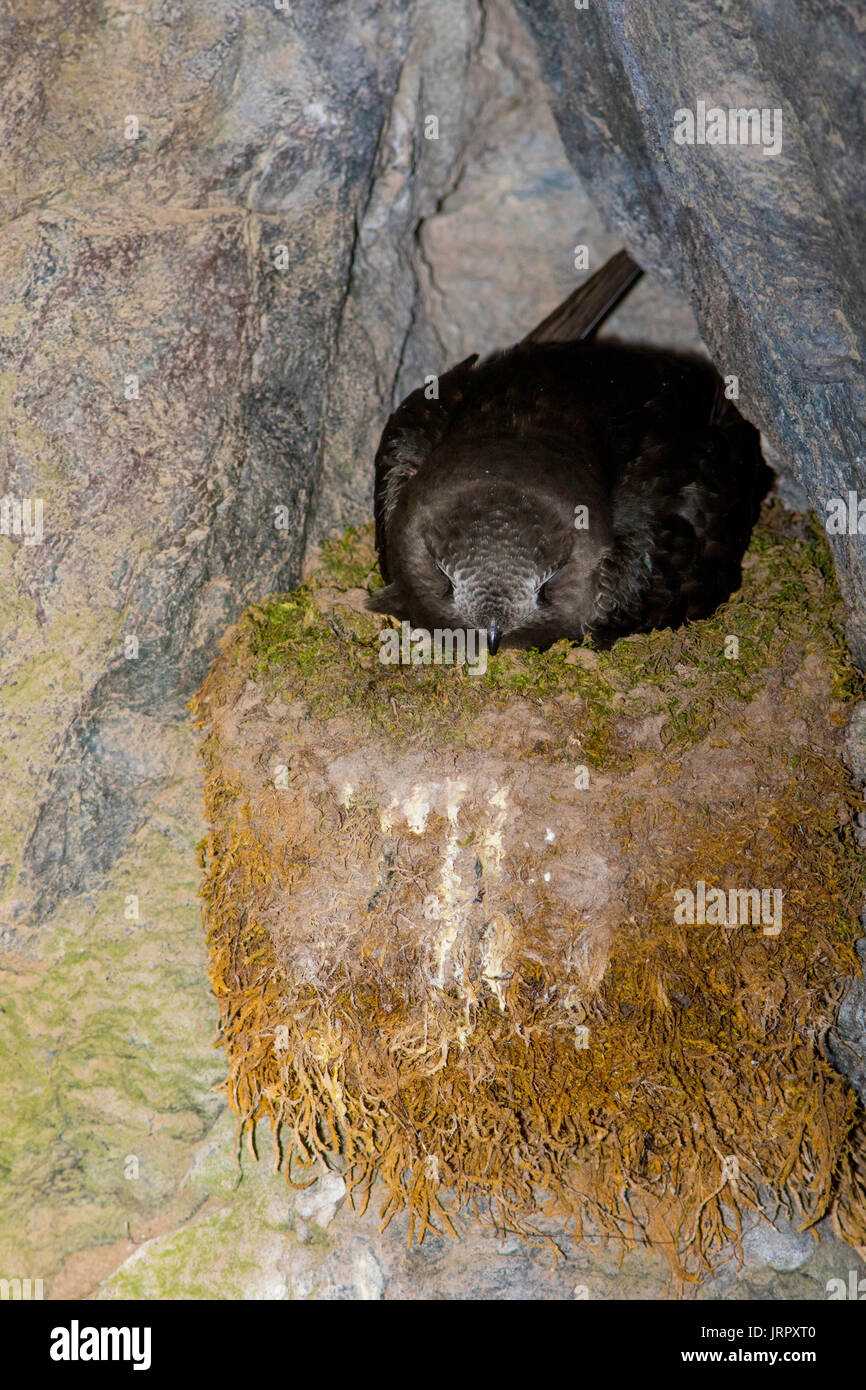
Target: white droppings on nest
(499,937)
(492,849)
(453,899)
(387,816)
(549,835)
(414,803)
(476,812)
(455,791)
(448,905)
(417,806)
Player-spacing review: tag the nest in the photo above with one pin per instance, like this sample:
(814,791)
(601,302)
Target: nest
(448,913)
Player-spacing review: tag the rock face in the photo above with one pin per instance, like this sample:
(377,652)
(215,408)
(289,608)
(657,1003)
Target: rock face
(767,247)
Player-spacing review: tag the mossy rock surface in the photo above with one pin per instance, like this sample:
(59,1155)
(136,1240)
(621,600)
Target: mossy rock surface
(442,907)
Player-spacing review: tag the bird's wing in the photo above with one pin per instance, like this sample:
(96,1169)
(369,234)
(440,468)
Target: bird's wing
(587,306)
(410,436)
(682,515)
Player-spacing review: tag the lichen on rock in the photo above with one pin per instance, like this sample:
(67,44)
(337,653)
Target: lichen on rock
(447,912)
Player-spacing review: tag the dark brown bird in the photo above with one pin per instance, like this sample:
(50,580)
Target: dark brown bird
(566,487)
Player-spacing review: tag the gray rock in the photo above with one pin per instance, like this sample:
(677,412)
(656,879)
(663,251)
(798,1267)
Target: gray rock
(855,742)
(847,1042)
(781,1246)
(319,1202)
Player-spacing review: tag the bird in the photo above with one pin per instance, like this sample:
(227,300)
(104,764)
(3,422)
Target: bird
(566,487)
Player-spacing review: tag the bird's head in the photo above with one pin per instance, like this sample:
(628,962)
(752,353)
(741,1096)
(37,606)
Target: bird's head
(494,549)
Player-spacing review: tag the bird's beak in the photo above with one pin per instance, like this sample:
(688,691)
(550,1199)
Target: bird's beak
(494,637)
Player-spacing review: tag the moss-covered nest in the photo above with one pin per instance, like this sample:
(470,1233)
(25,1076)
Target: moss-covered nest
(444,909)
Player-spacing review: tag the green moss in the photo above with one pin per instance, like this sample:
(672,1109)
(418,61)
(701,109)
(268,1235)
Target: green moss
(238,1243)
(347,561)
(788,597)
(106,1053)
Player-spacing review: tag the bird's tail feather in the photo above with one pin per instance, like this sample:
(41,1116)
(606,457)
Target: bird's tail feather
(585,309)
